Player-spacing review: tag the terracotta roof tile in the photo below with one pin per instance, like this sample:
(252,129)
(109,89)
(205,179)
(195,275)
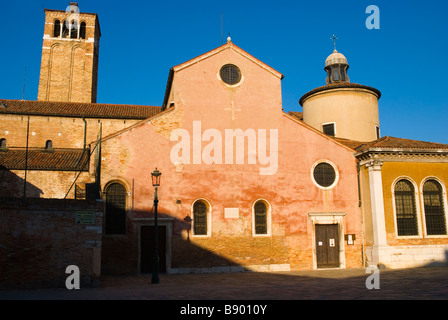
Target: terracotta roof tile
(337,86)
(298,115)
(55,160)
(388,142)
(76,109)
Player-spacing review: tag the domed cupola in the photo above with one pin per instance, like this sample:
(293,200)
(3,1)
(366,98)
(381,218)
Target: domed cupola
(342,109)
(336,66)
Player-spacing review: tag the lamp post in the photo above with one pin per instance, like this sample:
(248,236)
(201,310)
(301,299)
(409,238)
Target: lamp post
(155,269)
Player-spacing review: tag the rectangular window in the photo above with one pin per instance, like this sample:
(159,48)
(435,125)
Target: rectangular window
(328,129)
(342,73)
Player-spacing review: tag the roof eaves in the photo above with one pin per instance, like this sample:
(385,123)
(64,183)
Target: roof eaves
(293,118)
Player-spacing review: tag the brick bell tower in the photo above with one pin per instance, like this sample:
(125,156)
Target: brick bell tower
(69,68)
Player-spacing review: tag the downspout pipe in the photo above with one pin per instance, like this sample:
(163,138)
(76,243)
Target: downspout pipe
(85,131)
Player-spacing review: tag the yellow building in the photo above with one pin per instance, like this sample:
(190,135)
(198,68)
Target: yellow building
(402,183)
(404,201)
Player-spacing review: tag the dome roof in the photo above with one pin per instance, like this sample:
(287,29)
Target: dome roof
(335,58)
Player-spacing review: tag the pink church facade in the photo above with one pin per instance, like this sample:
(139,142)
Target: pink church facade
(238,189)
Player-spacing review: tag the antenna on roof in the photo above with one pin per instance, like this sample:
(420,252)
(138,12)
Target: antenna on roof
(24,82)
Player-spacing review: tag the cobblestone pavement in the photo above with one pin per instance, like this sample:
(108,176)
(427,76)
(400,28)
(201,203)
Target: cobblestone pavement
(418,283)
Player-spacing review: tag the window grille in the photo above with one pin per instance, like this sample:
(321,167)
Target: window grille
(260,218)
(328,129)
(324,174)
(405,209)
(230,74)
(200,218)
(115,209)
(434,211)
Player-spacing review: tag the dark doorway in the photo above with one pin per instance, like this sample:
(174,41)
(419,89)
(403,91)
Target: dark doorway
(327,245)
(147,248)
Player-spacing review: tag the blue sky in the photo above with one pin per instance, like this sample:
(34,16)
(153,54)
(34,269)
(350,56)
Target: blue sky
(405,59)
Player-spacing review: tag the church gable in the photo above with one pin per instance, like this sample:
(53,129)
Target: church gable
(226,78)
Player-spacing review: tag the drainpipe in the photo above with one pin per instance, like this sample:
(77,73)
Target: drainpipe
(26,156)
(85,131)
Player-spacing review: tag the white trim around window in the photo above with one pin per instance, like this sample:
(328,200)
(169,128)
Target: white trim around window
(417,208)
(209,219)
(444,202)
(268,218)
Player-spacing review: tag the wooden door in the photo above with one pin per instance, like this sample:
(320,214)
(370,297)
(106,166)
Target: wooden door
(327,245)
(147,248)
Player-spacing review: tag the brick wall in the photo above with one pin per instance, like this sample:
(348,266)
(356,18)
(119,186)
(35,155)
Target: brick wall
(65,132)
(41,184)
(69,67)
(39,238)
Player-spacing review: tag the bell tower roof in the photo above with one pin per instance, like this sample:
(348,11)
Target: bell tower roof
(336,66)
(336,58)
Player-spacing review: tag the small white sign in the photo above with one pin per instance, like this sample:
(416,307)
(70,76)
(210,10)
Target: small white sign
(231,213)
(349,239)
(320,243)
(332,244)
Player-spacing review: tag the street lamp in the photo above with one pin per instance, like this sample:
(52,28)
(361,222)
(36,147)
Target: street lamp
(155,269)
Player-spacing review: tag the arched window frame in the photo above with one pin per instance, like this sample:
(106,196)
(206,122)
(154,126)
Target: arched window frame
(268,218)
(57,29)
(65,31)
(49,145)
(82,30)
(104,195)
(209,219)
(3,144)
(74,29)
(444,202)
(417,208)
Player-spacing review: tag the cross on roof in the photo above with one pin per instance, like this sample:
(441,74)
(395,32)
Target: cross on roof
(334,38)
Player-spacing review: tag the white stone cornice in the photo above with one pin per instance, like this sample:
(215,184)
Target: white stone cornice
(374,164)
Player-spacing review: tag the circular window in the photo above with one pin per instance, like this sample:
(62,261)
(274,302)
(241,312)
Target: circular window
(324,175)
(230,74)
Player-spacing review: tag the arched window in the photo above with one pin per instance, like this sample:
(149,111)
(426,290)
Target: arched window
(57,29)
(434,211)
(49,145)
(74,29)
(3,143)
(405,208)
(82,30)
(200,218)
(115,209)
(261,217)
(65,30)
